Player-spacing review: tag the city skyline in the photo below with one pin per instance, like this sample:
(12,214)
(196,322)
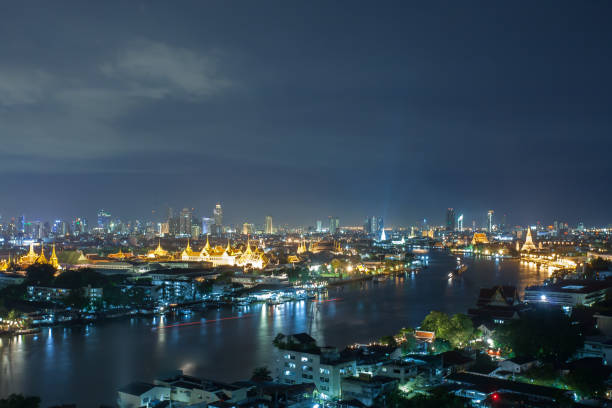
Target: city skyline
(451,220)
(385,114)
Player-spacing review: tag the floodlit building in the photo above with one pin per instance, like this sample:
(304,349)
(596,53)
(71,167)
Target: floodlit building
(569,293)
(528,245)
(490,221)
(231,256)
(269,226)
(480,238)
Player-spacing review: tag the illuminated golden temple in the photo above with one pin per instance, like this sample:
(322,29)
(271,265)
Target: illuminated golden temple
(159,253)
(480,238)
(229,255)
(33,258)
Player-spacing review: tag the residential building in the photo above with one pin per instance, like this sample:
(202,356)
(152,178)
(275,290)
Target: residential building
(300,361)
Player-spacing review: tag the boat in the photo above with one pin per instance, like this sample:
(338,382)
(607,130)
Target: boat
(458,271)
(243,301)
(380,278)
(273,302)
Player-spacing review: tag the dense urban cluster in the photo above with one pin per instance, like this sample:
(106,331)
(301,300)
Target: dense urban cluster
(548,347)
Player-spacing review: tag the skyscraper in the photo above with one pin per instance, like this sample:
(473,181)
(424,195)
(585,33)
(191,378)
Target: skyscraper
(218,217)
(185,222)
(334,224)
(490,221)
(460,223)
(247,228)
(269,227)
(103,219)
(206,225)
(319,225)
(450,219)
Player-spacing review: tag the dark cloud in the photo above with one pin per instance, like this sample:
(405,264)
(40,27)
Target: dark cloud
(307,110)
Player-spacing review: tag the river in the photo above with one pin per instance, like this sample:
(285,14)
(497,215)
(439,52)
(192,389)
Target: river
(86,365)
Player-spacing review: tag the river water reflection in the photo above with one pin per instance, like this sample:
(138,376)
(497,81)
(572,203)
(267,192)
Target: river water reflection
(86,365)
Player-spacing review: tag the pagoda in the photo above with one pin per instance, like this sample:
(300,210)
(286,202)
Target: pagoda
(53,261)
(42,259)
(528,245)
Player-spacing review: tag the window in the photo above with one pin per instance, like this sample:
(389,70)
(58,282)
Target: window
(287,372)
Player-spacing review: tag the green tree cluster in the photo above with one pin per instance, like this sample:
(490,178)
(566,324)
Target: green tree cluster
(546,334)
(458,329)
(19,401)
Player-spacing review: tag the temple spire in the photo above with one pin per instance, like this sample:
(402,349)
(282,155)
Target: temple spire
(528,245)
(54,261)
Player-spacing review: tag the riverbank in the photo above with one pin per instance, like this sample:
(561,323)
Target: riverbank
(123,350)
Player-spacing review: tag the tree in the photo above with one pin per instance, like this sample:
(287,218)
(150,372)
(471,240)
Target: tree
(440,346)
(76,299)
(546,334)
(113,296)
(436,398)
(462,330)
(409,344)
(74,279)
(457,330)
(39,275)
(19,401)
(261,374)
(336,264)
(388,341)
(437,322)
(588,380)
(204,287)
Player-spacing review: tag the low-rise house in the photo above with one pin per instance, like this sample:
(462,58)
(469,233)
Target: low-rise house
(366,388)
(597,346)
(478,388)
(179,388)
(497,305)
(517,365)
(604,323)
(454,361)
(401,370)
(193,390)
(139,394)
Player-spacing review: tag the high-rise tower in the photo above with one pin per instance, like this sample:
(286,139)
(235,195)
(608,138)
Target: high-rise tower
(450,219)
(490,221)
(218,217)
(269,227)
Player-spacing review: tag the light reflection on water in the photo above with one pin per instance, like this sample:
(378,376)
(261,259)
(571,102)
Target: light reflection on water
(61,364)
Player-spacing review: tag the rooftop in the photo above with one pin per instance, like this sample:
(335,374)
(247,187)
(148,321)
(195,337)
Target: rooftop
(573,286)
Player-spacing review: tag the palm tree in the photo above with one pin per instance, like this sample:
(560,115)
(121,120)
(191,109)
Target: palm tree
(261,374)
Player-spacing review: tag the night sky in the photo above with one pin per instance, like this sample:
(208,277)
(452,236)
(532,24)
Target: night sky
(301,110)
